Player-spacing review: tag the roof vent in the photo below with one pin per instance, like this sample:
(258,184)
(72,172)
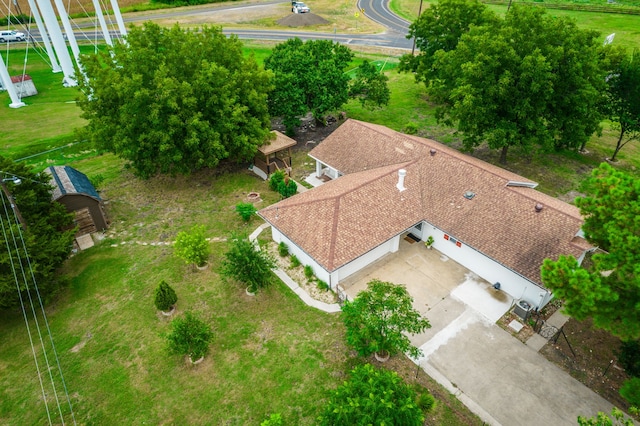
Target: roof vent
(469,195)
(539,207)
(432,151)
(401,174)
(522,184)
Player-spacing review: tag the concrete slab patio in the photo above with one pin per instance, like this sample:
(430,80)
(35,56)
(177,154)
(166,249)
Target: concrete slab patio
(498,377)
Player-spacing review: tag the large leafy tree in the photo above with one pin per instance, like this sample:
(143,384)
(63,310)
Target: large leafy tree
(531,80)
(173,101)
(309,76)
(609,291)
(439,28)
(372,396)
(47,232)
(378,318)
(370,86)
(622,106)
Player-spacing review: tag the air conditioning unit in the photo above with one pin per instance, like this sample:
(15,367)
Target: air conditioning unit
(522,309)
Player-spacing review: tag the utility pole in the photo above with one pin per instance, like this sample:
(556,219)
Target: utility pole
(11,202)
(413,49)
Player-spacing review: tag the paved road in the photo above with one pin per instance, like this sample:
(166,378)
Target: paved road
(376,11)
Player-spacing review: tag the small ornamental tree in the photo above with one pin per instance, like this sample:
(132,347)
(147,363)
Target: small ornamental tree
(189,336)
(244,263)
(165,297)
(193,246)
(245,210)
(287,187)
(372,397)
(378,318)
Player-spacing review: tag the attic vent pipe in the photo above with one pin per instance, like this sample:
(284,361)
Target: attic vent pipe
(401,174)
(538,207)
(432,151)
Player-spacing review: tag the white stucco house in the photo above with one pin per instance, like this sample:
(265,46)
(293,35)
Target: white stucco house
(385,184)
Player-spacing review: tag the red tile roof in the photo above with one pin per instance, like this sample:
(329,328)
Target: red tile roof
(343,219)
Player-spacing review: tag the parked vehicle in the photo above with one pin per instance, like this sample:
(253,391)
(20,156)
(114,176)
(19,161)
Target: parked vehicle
(299,7)
(9,35)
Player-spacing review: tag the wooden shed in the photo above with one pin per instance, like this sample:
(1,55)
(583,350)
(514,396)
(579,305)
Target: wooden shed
(274,155)
(74,190)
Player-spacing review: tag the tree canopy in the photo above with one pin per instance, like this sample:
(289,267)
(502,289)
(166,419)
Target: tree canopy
(623,100)
(370,86)
(440,27)
(529,80)
(174,101)
(609,290)
(48,235)
(378,318)
(309,76)
(372,396)
(242,262)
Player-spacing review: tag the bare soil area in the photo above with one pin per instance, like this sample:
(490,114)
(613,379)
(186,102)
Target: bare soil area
(590,356)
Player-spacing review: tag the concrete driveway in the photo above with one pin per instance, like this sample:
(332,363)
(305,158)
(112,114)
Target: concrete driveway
(498,377)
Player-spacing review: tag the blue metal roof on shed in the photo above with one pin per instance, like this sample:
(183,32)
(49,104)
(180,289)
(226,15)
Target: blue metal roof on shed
(68,180)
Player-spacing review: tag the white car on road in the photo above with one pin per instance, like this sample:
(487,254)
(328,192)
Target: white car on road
(299,7)
(8,35)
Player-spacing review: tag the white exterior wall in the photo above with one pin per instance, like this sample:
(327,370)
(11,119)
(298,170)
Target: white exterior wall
(302,256)
(510,282)
(390,246)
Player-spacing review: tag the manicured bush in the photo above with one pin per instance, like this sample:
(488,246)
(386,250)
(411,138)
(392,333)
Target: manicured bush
(283,249)
(372,396)
(189,336)
(295,262)
(246,264)
(245,210)
(276,179)
(165,297)
(308,271)
(287,187)
(193,246)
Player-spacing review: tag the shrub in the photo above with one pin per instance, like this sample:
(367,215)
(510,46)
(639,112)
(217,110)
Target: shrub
(283,250)
(372,396)
(322,285)
(245,210)
(411,128)
(287,187)
(189,336)
(308,271)
(274,419)
(246,264)
(295,262)
(275,180)
(165,296)
(630,391)
(629,357)
(192,246)
(425,401)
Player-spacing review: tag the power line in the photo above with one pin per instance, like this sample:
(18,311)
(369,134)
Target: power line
(25,279)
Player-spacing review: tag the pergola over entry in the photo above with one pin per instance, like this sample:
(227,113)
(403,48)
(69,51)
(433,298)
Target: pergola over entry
(274,155)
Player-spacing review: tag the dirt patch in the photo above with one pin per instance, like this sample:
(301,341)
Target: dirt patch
(302,20)
(595,362)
